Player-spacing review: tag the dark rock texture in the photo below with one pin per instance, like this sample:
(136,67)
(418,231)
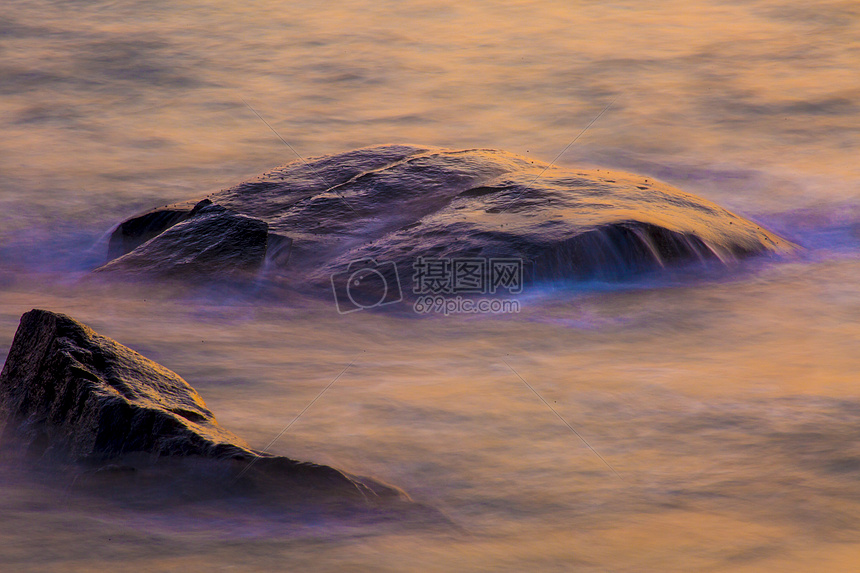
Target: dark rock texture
(211,242)
(68,394)
(397,202)
(136,231)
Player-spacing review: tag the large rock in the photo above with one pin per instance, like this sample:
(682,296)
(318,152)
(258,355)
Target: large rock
(396,203)
(68,394)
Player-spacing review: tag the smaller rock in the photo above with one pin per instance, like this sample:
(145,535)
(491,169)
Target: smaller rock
(70,395)
(73,394)
(213,243)
(134,232)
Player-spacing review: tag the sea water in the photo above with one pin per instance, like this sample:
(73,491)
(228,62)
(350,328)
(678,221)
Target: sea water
(725,409)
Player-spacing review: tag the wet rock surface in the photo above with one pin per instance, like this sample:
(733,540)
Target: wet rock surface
(395,203)
(134,232)
(71,396)
(211,242)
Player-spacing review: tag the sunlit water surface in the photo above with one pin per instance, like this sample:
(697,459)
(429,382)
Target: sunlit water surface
(728,406)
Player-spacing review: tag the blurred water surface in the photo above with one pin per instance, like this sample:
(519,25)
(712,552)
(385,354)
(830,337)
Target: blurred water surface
(730,407)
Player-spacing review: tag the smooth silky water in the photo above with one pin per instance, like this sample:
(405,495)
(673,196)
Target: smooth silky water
(727,402)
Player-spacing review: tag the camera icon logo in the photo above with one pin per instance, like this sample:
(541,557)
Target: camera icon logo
(366,284)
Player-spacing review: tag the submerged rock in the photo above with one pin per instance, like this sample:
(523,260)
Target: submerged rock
(210,242)
(134,232)
(68,394)
(396,203)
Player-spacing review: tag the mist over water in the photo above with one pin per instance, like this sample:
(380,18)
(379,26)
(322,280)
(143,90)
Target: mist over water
(728,404)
